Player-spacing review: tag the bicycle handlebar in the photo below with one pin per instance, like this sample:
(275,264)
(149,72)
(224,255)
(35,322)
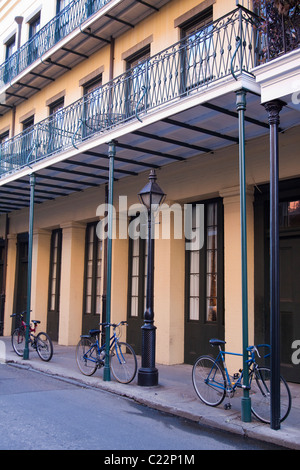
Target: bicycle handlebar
(114,325)
(253,349)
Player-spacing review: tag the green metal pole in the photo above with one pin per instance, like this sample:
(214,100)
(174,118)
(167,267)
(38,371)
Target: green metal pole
(30,240)
(241,107)
(111,154)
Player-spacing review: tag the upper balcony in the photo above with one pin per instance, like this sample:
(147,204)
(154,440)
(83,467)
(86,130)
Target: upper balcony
(177,104)
(79,30)
(225,48)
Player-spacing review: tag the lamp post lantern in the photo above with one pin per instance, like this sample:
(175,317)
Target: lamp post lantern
(151,196)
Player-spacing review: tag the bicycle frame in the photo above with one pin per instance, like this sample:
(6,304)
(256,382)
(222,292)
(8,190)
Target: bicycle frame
(32,330)
(232,386)
(113,340)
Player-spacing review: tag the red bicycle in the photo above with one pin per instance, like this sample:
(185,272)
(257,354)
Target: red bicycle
(41,343)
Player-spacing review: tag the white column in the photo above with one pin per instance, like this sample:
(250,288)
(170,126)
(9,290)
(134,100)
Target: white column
(71,287)
(233,274)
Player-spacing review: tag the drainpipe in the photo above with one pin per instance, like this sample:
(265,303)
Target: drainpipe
(19,21)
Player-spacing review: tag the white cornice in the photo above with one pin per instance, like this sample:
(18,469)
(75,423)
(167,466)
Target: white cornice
(279,78)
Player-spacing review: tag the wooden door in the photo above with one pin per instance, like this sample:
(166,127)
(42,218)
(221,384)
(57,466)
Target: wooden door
(204,315)
(54,285)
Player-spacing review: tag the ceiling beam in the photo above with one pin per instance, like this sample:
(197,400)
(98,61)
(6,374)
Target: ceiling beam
(124,160)
(151,152)
(172,141)
(200,129)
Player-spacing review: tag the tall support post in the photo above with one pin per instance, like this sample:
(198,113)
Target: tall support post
(148,373)
(152,197)
(241,108)
(30,242)
(111,154)
(273,108)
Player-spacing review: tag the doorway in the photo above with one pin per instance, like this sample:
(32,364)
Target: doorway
(54,284)
(136,303)
(289,259)
(20,299)
(204,292)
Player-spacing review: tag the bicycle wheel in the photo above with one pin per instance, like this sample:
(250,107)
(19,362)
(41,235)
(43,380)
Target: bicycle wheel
(18,341)
(123,362)
(86,356)
(44,346)
(209,381)
(260,395)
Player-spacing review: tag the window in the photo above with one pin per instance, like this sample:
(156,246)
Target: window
(92,118)
(93,273)
(198,56)
(34,25)
(56,134)
(289,214)
(28,137)
(55,258)
(33,44)
(4,152)
(11,65)
(203,271)
(10,47)
(62,23)
(137,82)
(137,277)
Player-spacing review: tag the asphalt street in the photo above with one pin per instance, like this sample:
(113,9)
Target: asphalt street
(39,412)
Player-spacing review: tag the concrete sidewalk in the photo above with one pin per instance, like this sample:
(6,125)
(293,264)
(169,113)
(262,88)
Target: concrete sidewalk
(174,394)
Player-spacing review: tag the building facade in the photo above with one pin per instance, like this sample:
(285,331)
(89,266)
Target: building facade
(161,80)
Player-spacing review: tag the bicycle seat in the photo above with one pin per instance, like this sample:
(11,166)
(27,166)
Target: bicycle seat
(216,342)
(94,332)
(35,321)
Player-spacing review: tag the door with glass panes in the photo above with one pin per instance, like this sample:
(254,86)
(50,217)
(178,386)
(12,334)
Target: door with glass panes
(137,278)
(204,305)
(93,280)
(54,284)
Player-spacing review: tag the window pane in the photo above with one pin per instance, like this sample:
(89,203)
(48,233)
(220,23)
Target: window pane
(93,272)
(134,306)
(211,263)
(194,308)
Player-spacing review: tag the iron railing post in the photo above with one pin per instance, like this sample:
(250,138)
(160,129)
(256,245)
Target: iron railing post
(273,108)
(241,107)
(111,154)
(30,243)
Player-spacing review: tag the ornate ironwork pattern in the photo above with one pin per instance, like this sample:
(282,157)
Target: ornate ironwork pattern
(59,27)
(221,49)
(280,29)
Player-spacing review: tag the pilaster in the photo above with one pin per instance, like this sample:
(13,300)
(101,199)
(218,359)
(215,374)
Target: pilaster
(233,271)
(71,290)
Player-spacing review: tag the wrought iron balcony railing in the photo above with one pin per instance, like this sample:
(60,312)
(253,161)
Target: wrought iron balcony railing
(70,18)
(224,48)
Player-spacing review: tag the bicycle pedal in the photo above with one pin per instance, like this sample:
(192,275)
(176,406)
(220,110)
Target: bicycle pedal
(227,406)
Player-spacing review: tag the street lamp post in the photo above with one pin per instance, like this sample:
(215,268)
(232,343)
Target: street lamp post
(151,196)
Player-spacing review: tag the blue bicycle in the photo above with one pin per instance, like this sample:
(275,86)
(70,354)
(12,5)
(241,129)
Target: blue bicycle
(90,355)
(212,382)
